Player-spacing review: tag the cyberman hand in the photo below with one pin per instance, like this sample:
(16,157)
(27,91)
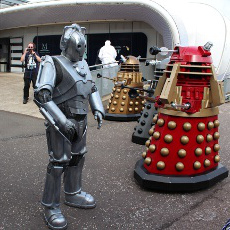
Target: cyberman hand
(44,96)
(70,130)
(98,117)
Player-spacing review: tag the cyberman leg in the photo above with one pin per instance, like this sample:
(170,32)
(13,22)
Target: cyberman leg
(72,186)
(73,173)
(51,198)
(60,154)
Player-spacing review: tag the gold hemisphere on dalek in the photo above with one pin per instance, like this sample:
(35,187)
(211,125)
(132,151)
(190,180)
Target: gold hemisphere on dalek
(187,126)
(160,122)
(172,125)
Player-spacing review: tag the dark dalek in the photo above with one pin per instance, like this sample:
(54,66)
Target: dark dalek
(143,129)
(121,107)
(182,153)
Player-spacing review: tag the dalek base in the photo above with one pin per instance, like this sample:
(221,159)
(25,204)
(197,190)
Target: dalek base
(122,117)
(176,183)
(139,140)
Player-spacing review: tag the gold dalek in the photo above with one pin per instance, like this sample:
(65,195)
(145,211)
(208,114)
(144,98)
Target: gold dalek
(121,107)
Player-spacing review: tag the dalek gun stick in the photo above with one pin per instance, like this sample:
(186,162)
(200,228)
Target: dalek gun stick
(154,50)
(135,89)
(107,78)
(99,75)
(98,65)
(183,106)
(133,92)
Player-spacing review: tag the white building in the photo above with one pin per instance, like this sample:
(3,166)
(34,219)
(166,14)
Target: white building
(138,24)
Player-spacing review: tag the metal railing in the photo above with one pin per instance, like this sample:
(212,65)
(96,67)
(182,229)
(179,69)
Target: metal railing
(105,86)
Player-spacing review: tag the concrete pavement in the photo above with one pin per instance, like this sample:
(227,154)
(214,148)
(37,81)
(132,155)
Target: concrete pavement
(11,85)
(108,175)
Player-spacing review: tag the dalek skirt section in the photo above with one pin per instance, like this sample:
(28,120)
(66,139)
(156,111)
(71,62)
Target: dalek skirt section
(145,123)
(183,147)
(182,154)
(123,108)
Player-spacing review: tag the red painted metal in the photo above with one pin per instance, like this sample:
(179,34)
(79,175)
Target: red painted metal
(172,159)
(192,92)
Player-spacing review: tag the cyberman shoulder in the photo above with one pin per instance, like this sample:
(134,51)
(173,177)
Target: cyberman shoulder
(47,74)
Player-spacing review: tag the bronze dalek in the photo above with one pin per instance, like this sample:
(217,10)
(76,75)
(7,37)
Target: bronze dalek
(121,107)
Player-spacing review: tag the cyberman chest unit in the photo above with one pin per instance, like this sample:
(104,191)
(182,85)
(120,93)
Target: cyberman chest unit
(183,150)
(121,107)
(73,85)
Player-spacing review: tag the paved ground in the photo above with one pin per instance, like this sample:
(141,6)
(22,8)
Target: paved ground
(108,175)
(11,95)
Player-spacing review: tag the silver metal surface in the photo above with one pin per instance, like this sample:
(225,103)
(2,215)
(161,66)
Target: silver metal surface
(72,177)
(54,219)
(64,89)
(56,114)
(80,200)
(73,43)
(96,103)
(46,75)
(183,106)
(51,194)
(208,46)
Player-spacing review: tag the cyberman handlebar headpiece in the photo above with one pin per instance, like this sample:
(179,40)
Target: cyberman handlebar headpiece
(67,33)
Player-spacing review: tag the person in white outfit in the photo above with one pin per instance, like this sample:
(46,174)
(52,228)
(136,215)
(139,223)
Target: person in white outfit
(107,54)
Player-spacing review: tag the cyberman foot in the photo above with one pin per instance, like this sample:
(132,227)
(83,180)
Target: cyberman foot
(54,219)
(80,200)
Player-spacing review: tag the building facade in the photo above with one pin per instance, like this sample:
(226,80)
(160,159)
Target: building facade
(135,23)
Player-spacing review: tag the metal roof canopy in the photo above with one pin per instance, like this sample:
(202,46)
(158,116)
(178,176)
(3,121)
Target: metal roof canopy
(70,11)
(183,23)
(13,2)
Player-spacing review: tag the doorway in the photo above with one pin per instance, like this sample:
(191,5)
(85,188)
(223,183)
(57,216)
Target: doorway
(4,54)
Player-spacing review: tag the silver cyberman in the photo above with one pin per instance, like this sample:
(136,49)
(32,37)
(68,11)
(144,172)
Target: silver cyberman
(63,89)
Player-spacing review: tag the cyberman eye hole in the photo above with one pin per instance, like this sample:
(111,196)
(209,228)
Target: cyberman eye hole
(79,46)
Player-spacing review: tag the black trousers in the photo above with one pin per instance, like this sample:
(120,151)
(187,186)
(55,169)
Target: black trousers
(29,76)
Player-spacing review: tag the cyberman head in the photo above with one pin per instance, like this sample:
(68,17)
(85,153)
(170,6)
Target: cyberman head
(73,42)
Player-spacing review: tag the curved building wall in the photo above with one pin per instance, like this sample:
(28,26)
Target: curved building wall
(200,22)
(179,22)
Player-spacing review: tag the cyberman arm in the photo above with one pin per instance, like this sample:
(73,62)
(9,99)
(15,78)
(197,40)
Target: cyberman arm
(96,106)
(43,98)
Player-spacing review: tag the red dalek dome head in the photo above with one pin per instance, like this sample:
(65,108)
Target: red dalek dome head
(189,54)
(192,54)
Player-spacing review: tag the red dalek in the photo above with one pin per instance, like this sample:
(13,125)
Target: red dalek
(183,152)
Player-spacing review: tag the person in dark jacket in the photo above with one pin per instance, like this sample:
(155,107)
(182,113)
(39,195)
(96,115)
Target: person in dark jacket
(32,60)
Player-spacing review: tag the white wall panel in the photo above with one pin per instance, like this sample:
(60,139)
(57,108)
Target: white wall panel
(16,62)
(15,40)
(13,55)
(16,47)
(16,70)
